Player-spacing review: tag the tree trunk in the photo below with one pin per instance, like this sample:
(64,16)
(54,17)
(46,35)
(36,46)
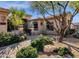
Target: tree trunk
(60,38)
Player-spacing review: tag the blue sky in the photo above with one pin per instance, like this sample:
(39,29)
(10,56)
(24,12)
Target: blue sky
(26,6)
(19,4)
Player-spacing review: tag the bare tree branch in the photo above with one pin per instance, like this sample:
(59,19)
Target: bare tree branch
(66,6)
(52,7)
(56,19)
(45,9)
(60,5)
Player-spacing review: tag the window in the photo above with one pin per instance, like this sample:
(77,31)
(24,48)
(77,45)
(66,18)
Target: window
(35,25)
(2,19)
(41,23)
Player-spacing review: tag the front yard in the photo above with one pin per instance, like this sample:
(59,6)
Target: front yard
(11,50)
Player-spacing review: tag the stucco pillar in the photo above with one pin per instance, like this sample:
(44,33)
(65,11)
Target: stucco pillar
(44,25)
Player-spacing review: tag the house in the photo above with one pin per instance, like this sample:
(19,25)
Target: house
(3,19)
(41,24)
(75,25)
(33,24)
(25,19)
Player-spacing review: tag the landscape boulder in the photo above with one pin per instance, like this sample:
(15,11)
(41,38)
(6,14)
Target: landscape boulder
(49,48)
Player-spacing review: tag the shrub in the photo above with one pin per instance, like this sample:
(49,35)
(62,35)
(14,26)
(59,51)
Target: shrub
(28,52)
(69,32)
(37,44)
(46,40)
(64,51)
(76,35)
(18,38)
(23,36)
(7,39)
(40,42)
(4,39)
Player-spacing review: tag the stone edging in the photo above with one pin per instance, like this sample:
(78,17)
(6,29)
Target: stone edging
(10,51)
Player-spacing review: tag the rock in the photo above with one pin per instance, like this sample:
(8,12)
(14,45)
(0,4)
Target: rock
(11,50)
(51,56)
(58,56)
(43,56)
(55,56)
(68,56)
(49,48)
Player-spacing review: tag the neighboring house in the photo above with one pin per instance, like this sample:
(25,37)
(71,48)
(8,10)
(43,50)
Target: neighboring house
(72,26)
(40,23)
(3,19)
(75,25)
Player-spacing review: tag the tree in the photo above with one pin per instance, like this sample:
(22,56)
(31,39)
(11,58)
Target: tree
(51,8)
(16,16)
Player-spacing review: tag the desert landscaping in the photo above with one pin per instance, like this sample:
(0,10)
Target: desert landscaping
(50,31)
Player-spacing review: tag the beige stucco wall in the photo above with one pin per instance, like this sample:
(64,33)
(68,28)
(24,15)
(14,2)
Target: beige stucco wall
(40,27)
(43,26)
(3,19)
(3,27)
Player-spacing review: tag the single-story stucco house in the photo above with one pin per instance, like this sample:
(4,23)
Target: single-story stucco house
(33,24)
(75,25)
(40,23)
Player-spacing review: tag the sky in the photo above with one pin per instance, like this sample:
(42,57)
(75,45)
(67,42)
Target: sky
(26,6)
(21,5)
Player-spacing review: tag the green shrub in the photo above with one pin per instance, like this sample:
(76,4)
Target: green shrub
(28,52)
(64,51)
(23,36)
(15,39)
(37,44)
(7,39)
(40,42)
(4,39)
(76,35)
(69,32)
(46,40)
